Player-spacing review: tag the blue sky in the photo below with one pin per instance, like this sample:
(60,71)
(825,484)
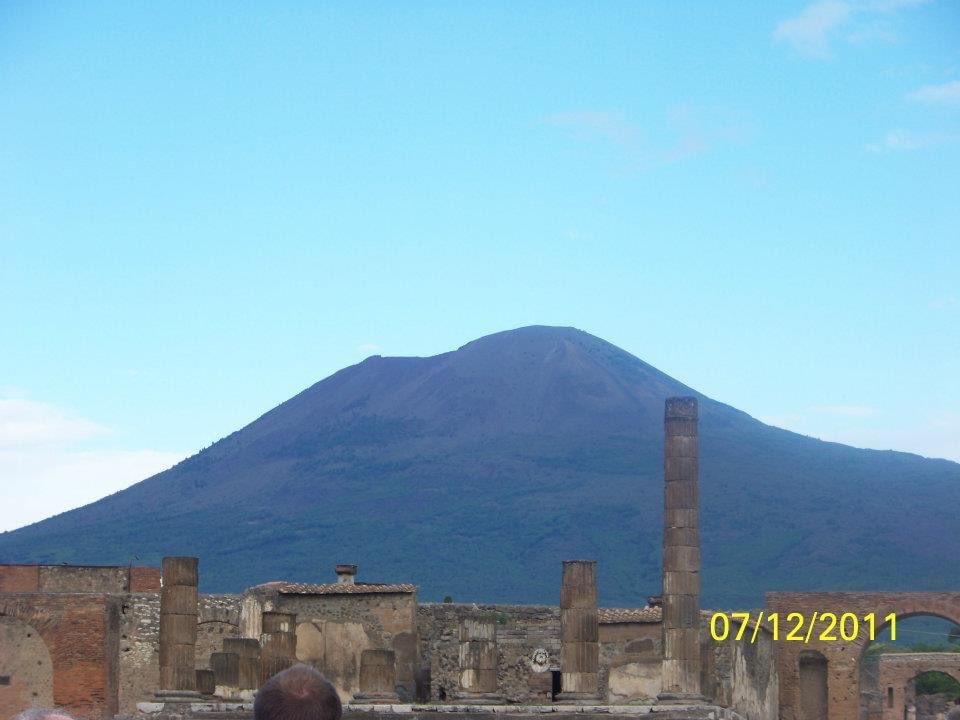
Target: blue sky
(206,207)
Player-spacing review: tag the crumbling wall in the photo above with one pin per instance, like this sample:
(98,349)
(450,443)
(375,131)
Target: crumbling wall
(741,675)
(522,630)
(631,656)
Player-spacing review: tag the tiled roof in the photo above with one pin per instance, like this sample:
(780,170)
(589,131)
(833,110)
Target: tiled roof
(288,588)
(630,615)
(636,615)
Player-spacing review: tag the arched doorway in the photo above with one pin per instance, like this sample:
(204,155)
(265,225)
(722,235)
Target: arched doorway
(26,672)
(813,685)
(932,693)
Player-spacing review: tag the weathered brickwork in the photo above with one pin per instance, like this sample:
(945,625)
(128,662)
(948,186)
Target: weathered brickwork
(81,634)
(896,670)
(78,578)
(843,658)
(26,667)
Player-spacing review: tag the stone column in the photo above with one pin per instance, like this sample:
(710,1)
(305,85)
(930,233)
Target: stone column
(378,677)
(579,633)
(278,643)
(681,553)
(178,627)
(478,662)
(247,651)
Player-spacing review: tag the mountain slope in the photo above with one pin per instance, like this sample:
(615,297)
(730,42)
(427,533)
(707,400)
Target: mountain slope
(473,473)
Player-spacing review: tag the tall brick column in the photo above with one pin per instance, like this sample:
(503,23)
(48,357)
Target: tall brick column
(178,627)
(681,553)
(478,662)
(579,633)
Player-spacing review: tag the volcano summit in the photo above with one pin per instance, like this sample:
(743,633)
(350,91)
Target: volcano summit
(474,472)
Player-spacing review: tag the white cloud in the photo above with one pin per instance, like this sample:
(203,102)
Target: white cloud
(810,31)
(945,94)
(39,482)
(43,472)
(946,302)
(369,349)
(597,124)
(905,140)
(684,131)
(935,434)
(844,410)
(27,422)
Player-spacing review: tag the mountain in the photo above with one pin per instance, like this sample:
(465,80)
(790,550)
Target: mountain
(475,472)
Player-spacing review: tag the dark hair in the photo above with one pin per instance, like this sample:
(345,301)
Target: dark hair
(297,693)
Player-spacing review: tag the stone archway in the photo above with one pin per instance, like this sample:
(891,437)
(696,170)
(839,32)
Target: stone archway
(896,670)
(844,657)
(26,671)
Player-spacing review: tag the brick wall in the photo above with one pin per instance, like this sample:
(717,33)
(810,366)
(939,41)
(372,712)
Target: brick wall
(844,658)
(81,634)
(78,578)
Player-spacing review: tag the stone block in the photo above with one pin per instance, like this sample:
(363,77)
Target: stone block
(681,583)
(682,494)
(179,599)
(178,629)
(580,625)
(180,571)
(681,446)
(226,668)
(682,558)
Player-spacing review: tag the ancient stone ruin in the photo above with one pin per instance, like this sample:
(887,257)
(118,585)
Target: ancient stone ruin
(105,642)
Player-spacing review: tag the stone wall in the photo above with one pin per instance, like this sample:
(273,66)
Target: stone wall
(741,675)
(630,661)
(521,631)
(140,641)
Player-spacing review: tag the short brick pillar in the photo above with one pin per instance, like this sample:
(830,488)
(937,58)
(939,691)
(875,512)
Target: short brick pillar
(378,677)
(278,643)
(247,651)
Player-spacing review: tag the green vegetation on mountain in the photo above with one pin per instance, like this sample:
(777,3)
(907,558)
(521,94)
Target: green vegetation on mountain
(475,472)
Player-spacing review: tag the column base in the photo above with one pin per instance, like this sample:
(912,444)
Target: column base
(178,695)
(469,698)
(679,698)
(375,699)
(576,698)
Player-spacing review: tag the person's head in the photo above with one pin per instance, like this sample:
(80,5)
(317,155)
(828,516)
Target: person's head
(42,714)
(297,693)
